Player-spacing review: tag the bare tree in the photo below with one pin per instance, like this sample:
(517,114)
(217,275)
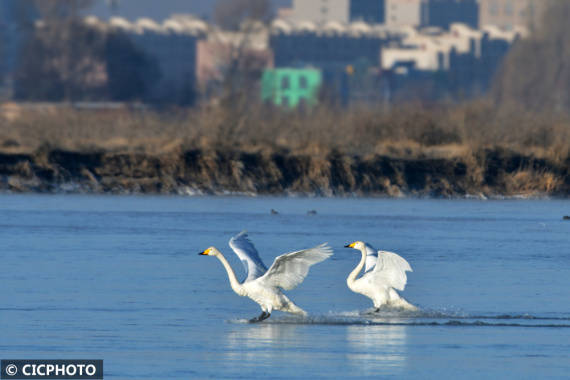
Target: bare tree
(59,70)
(66,59)
(61,19)
(242,58)
(60,10)
(229,14)
(536,74)
(242,26)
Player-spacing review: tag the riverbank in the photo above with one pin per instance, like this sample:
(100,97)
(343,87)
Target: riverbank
(471,149)
(485,173)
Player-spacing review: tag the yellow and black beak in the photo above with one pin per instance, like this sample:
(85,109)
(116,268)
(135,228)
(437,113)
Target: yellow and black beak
(351,245)
(204,253)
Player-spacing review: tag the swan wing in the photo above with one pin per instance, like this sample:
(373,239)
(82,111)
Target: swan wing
(390,270)
(290,269)
(248,255)
(371,258)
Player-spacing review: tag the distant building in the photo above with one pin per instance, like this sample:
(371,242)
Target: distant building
(443,13)
(10,40)
(287,87)
(440,13)
(173,46)
(220,47)
(509,14)
(403,12)
(345,53)
(332,46)
(285,13)
(133,10)
(458,63)
(320,10)
(370,11)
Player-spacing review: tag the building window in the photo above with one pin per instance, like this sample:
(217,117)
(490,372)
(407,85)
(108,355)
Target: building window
(509,8)
(285,83)
(303,83)
(494,8)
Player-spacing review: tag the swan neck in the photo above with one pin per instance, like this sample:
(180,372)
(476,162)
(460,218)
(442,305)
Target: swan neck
(236,286)
(352,276)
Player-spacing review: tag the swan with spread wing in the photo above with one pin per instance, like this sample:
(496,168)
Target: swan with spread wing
(265,286)
(384,272)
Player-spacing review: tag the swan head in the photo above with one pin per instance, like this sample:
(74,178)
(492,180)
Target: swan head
(360,245)
(212,251)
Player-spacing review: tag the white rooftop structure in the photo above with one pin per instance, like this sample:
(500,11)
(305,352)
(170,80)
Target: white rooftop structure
(430,50)
(121,23)
(495,32)
(173,25)
(189,23)
(335,28)
(148,24)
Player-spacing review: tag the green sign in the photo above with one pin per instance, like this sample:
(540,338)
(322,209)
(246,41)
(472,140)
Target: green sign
(291,87)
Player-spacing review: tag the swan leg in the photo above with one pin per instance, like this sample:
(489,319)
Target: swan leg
(380,300)
(263,316)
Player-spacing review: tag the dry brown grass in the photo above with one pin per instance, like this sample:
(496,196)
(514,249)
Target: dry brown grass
(414,130)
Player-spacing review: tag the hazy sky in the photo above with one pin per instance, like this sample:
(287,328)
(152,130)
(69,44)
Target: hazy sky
(161,9)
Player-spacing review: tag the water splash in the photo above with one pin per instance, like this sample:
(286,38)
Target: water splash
(419,318)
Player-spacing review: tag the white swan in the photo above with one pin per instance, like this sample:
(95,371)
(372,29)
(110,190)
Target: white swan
(384,273)
(263,285)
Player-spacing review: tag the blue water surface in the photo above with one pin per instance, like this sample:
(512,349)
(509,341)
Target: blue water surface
(118,278)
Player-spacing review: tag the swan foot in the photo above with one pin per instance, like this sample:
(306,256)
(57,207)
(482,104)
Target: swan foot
(264,315)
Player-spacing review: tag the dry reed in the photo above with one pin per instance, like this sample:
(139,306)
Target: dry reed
(412,130)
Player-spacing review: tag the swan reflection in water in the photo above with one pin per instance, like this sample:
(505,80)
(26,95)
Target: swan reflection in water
(263,341)
(377,350)
(287,348)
